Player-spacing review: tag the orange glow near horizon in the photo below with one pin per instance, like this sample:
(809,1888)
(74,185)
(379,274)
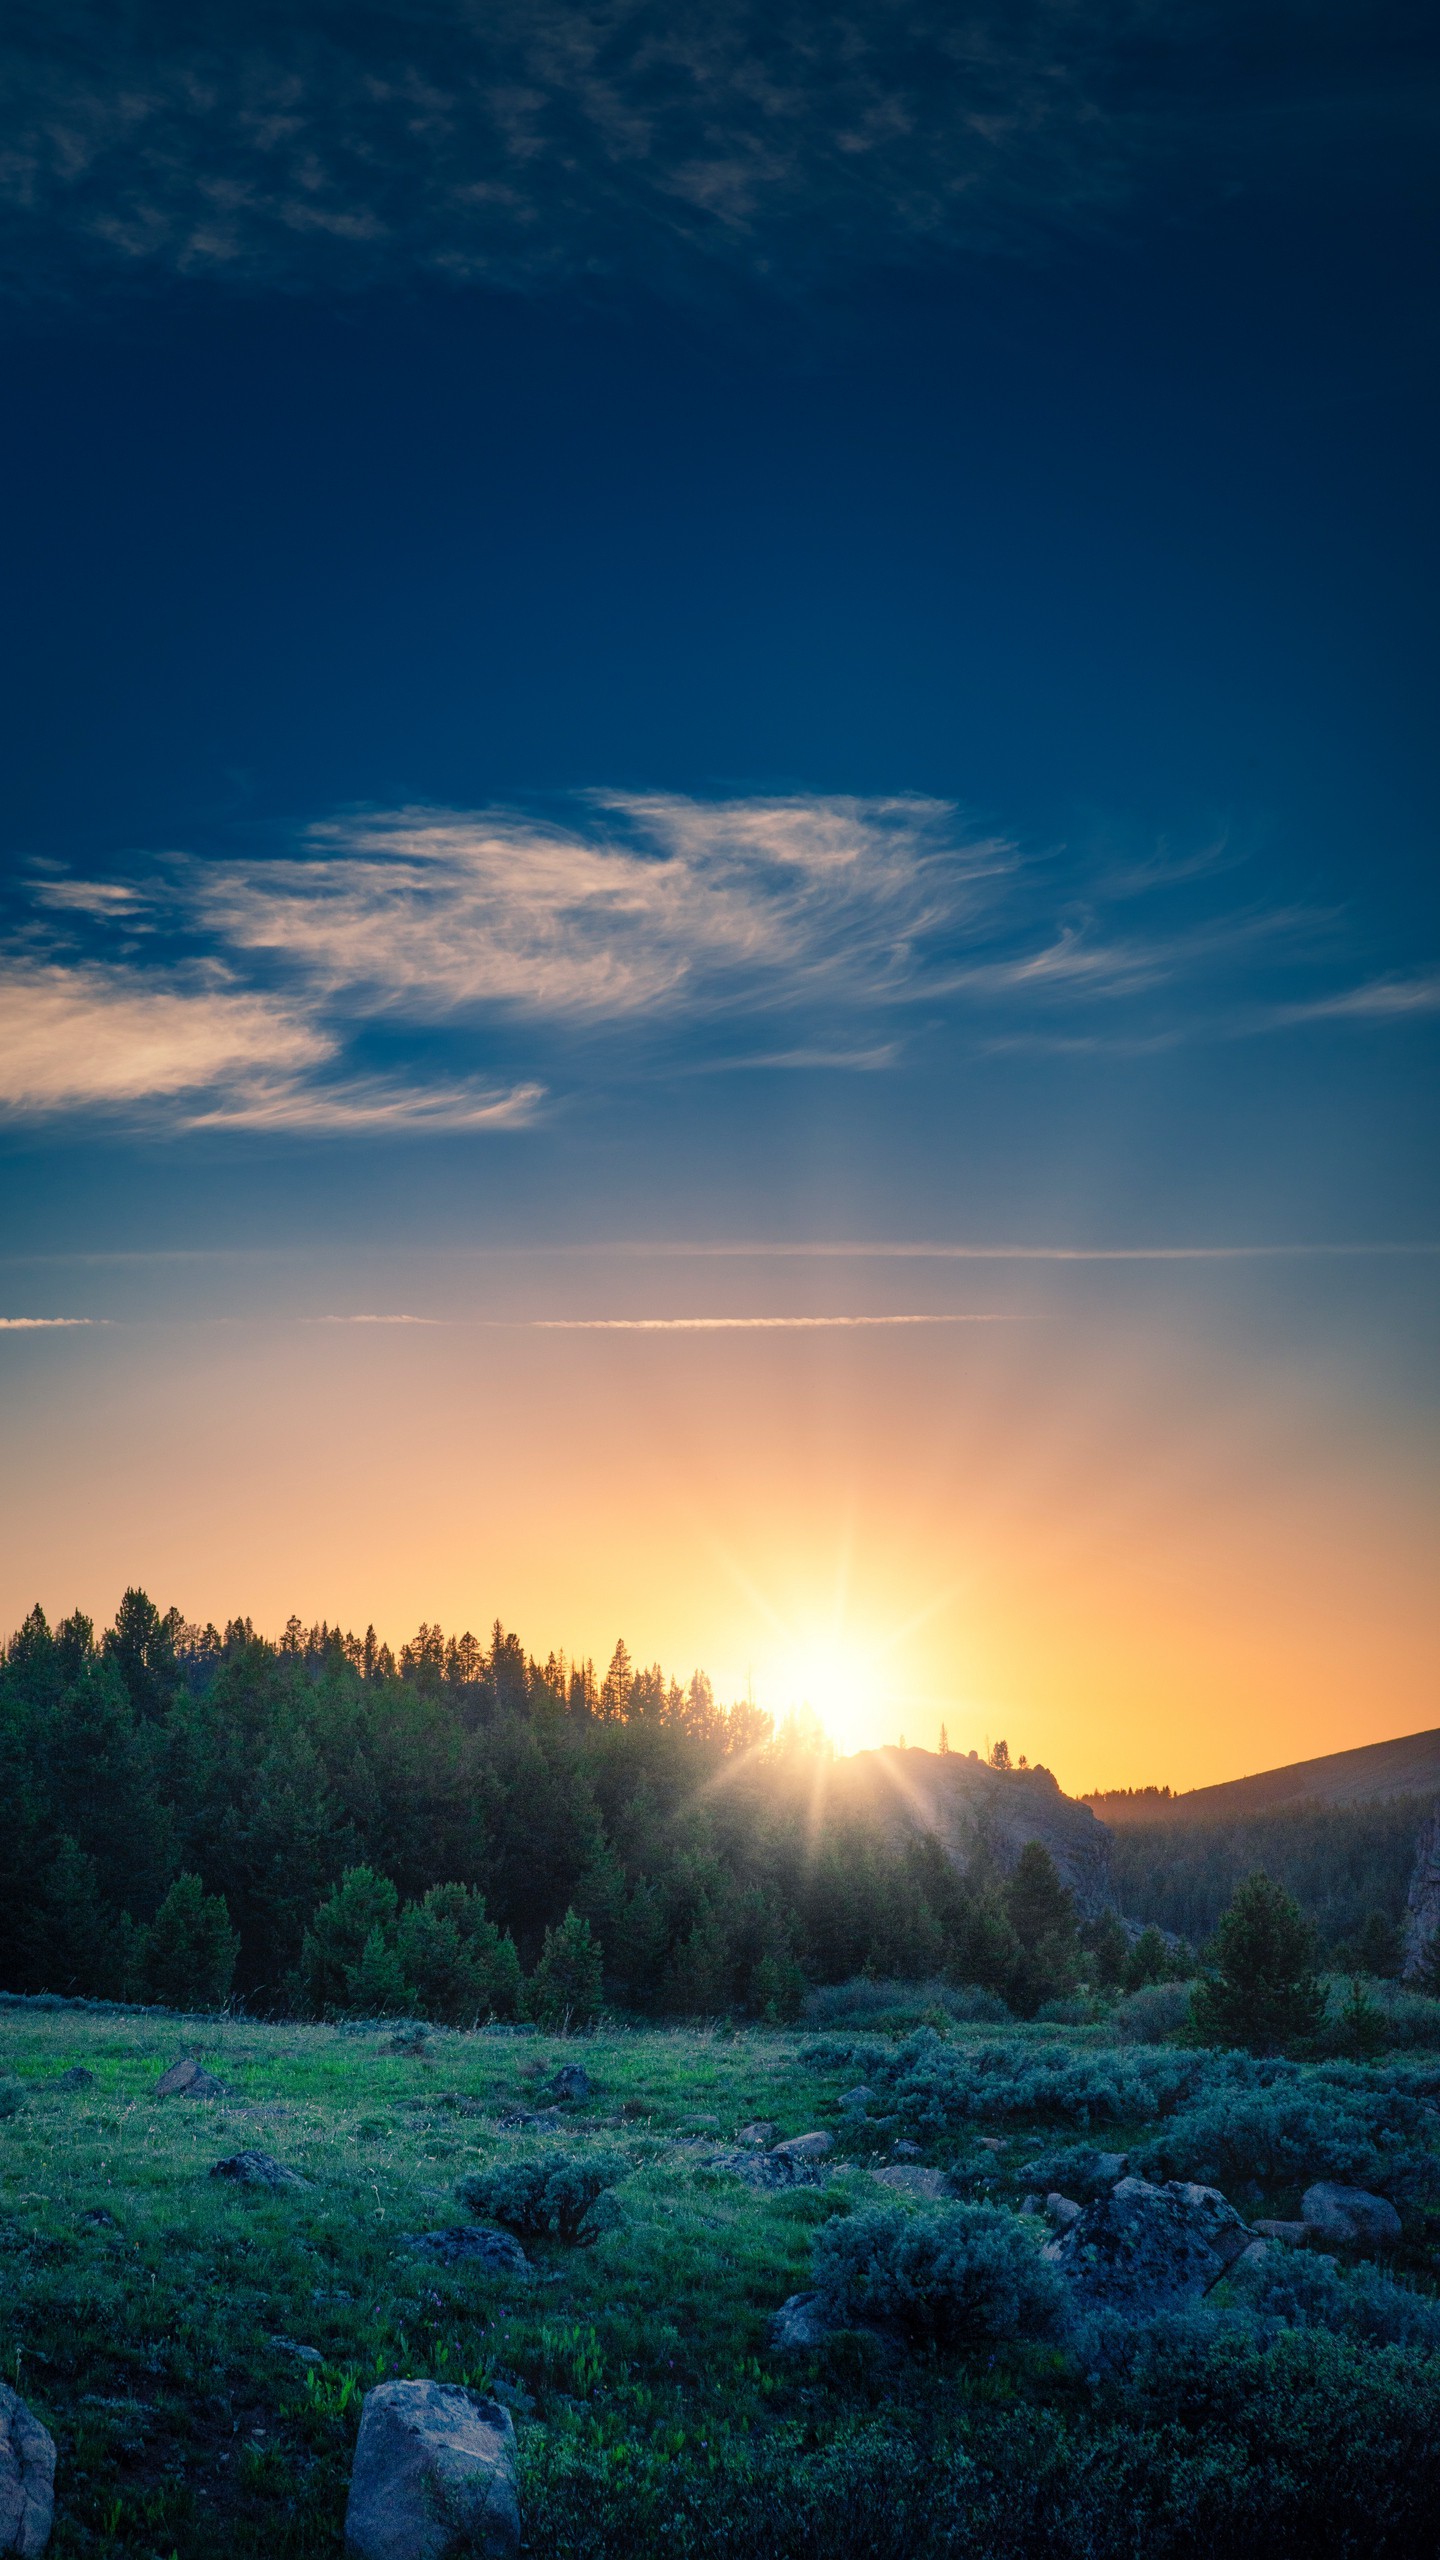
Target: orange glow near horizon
(1137,1552)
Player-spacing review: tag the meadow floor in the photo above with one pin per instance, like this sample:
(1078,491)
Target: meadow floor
(150,2313)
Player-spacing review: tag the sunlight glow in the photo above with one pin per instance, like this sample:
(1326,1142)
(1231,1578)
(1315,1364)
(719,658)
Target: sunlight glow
(837,1682)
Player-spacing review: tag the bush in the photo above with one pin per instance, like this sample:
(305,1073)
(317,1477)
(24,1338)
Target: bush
(1281,2136)
(190,1949)
(549,2195)
(1153,2015)
(865,2002)
(939,2088)
(956,2275)
(564,1989)
(1310,2293)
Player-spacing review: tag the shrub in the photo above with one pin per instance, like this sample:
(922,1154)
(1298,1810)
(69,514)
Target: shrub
(1152,2015)
(1280,2136)
(564,1989)
(190,1949)
(938,2087)
(1262,1993)
(550,2194)
(1309,2293)
(866,2002)
(957,2274)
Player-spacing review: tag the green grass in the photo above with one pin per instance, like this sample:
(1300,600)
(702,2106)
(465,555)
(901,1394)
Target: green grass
(142,2341)
(649,2406)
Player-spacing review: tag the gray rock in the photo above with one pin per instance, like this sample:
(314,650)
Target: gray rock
(906,2150)
(98,2219)
(185,2079)
(1061,2211)
(292,2347)
(805,2146)
(472,2244)
(1297,2233)
(911,2180)
(991,2142)
(434,2476)
(800,2322)
(77,2077)
(27,2478)
(258,2169)
(521,2120)
(1144,2248)
(1349,2217)
(857,2100)
(1256,2253)
(760,2135)
(571,2081)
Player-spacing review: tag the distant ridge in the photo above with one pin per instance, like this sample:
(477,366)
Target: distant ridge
(1409,1766)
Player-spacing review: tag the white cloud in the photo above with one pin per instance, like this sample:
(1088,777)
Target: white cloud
(1374,1000)
(71,1036)
(671,903)
(46,1324)
(372,1103)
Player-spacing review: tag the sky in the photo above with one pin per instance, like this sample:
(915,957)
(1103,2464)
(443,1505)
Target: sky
(718,851)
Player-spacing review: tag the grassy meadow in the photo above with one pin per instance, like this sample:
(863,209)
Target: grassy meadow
(151,2313)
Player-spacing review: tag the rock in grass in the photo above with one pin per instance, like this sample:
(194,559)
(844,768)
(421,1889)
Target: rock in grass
(1143,2248)
(1061,2211)
(571,2081)
(292,2347)
(77,2077)
(799,2323)
(258,2169)
(472,2244)
(27,2478)
(434,2476)
(1349,2217)
(805,2146)
(757,2136)
(185,2079)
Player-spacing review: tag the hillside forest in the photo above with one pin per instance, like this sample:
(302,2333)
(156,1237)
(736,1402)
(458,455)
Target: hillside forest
(316,1827)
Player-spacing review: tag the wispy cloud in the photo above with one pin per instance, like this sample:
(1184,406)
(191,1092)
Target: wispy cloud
(742,1324)
(83,1035)
(47,1324)
(538,138)
(421,970)
(661,903)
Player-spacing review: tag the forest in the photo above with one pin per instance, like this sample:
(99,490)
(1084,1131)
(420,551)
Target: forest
(316,1828)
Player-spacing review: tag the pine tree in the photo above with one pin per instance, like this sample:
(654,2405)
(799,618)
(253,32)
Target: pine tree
(336,1941)
(1261,1992)
(189,1950)
(564,1989)
(615,1693)
(455,1964)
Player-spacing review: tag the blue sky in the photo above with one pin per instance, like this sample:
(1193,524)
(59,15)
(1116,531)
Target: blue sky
(651,626)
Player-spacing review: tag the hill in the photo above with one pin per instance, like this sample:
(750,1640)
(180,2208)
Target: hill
(1409,1766)
(971,1807)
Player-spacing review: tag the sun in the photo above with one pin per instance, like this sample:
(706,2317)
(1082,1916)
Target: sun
(833,1680)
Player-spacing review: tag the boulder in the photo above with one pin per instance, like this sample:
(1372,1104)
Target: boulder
(910,2180)
(258,2169)
(77,2077)
(1256,2253)
(800,2322)
(991,2142)
(434,2476)
(905,2150)
(1297,2233)
(804,2146)
(760,2136)
(571,2081)
(1061,2211)
(27,2478)
(1349,2217)
(185,2079)
(857,2100)
(472,2244)
(292,2347)
(1144,2248)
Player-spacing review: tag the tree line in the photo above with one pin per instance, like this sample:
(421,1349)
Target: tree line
(314,1825)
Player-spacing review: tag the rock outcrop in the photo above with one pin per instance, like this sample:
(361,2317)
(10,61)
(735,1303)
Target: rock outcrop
(1422,1910)
(434,2476)
(257,2169)
(472,2244)
(27,2479)
(186,2079)
(971,1807)
(1144,2248)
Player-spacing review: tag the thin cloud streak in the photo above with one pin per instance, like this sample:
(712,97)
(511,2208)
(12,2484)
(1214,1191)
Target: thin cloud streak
(47,1324)
(743,1324)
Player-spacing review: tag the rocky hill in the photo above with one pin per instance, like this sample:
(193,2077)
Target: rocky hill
(966,1803)
(1409,1766)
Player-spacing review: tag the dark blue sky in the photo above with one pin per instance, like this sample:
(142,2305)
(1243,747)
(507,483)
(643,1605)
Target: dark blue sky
(659,624)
